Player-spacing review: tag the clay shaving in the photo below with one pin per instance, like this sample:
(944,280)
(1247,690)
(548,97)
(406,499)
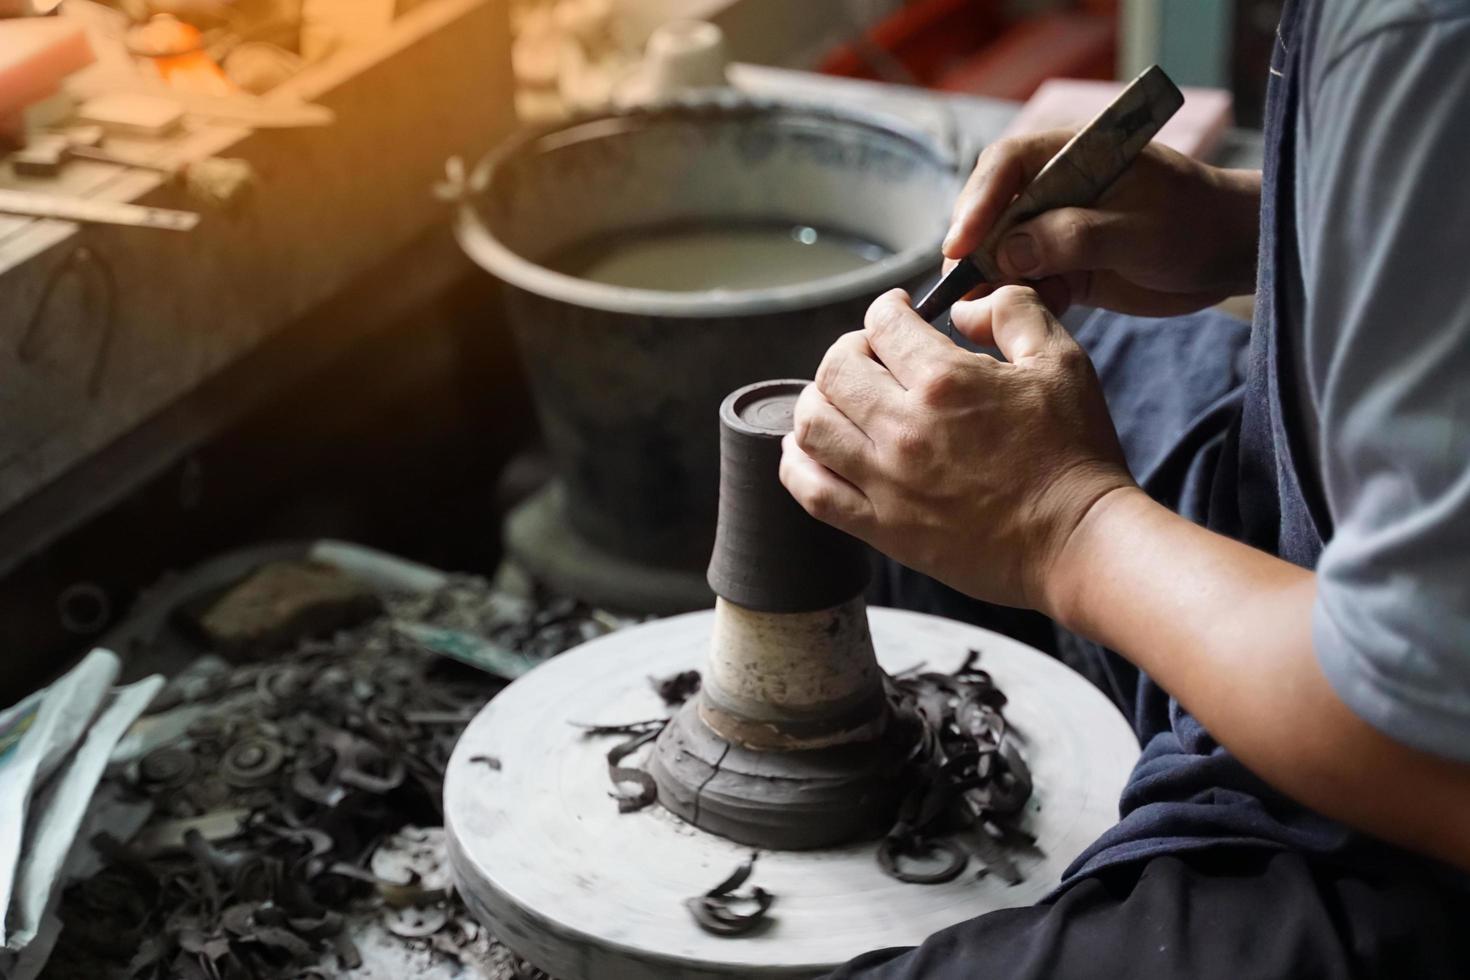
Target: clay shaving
(969,780)
(719,910)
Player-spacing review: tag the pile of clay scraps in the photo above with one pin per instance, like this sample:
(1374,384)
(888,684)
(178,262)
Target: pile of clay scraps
(969,781)
(296,803)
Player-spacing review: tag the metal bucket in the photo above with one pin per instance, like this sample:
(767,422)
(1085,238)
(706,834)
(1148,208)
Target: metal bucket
(628,382)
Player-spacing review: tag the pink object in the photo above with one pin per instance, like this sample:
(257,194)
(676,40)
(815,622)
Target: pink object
(1195,130)
(36,53)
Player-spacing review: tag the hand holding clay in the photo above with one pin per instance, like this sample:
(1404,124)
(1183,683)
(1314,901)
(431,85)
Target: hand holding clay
(972,470)
(1173,235)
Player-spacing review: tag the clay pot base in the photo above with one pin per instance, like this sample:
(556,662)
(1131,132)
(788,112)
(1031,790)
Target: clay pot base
(545,860)
(780,800)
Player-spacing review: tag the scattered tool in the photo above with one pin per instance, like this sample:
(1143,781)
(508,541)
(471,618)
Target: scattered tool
(87,211)
(44,155)
(44,162)
(1076,177)
(214,182)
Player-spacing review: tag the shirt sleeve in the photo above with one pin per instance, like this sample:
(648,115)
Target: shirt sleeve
(1384,209)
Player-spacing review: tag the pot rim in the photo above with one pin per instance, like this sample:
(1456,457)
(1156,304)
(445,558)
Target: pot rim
(487,251)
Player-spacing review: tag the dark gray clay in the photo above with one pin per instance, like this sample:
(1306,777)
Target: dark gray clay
(770,555)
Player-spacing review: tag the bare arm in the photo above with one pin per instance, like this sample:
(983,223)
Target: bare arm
(1227,630)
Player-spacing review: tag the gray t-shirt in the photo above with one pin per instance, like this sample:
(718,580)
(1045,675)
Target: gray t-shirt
(1383,212)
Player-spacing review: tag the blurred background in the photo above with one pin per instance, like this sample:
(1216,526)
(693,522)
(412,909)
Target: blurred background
(321,360)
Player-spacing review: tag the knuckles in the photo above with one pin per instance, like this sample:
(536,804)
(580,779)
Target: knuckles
(806,427)
(998,152)
(816,499)
(1071,359)
(806,421)
(1078,233)
(945,384)
(822,504)
(908,443)
(886,314)
(1014,298)
(829,372)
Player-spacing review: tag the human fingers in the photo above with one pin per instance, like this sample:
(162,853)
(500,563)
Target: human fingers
(852,379)
(1004,168)
(822,493)
(1058,292)
(909,348)
(1115,292)
(1062,241)
(830,437)
(1014,319)
(973,294)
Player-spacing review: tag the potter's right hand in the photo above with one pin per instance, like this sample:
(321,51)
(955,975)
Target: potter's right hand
(1173,235)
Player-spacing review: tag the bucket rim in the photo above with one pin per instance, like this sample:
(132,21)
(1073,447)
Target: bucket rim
(905,266)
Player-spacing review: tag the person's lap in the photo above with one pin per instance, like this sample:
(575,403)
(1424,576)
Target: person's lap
(1228,913)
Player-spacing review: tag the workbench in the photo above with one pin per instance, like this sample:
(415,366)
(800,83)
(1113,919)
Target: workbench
(123,348)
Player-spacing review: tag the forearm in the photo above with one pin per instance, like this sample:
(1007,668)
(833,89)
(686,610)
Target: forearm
(1235,225)
(1227,630)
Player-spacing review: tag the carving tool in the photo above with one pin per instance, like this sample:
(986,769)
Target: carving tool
(1076,177)
(88,211)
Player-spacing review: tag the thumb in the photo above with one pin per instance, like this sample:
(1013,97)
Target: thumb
(1014,319)
(1058,242)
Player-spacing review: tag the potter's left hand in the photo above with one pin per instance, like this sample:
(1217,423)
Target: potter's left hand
(972,470)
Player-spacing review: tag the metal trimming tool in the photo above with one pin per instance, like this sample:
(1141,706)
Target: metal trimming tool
(1076,177)
(90,211)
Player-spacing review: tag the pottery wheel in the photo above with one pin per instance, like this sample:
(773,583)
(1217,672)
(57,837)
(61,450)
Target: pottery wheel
(543,857)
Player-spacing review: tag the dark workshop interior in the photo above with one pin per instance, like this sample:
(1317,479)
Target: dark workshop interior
(475,503)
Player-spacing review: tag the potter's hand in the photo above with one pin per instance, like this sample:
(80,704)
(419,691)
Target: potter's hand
(972,470)
(1171,236)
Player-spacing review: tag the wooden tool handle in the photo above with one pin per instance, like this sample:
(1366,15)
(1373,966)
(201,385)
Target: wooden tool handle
(1087,166)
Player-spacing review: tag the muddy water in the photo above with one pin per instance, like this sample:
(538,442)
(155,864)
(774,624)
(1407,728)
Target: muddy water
(695,259)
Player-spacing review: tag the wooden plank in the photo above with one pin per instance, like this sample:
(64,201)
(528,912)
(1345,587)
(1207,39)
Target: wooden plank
(91,211)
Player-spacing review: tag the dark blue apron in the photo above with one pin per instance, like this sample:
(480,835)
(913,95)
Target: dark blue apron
(1240,469)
